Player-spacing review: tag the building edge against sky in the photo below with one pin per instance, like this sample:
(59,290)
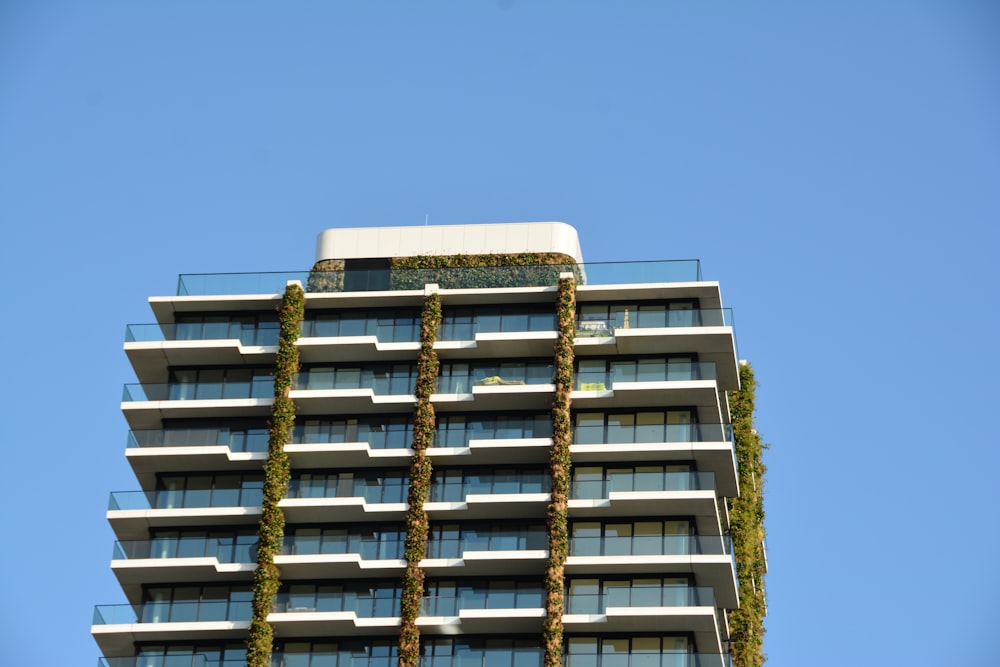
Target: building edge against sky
(494,453)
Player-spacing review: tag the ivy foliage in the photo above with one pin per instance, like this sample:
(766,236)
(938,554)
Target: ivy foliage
(456,271)
(417,526)
(327,275)
(560,466)
(271,531)
(747,527)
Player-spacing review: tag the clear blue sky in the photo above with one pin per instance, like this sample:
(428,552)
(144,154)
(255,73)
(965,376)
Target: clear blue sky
(836,165)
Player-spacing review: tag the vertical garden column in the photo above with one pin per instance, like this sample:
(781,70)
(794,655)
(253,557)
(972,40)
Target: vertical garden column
(747,527)
(270,534)
(560,465)
(420,481)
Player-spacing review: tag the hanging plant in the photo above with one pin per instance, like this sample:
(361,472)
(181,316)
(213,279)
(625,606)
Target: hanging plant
(271,532)
(417,526)
(747,527)
(560,464)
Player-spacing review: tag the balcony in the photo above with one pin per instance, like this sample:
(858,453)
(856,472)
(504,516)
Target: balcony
(495,607)
(493,451)
(497,387)
(116,628)
(331,610)
(628,606)
(708,557)
(661,382)
(334,553)
(707,333)
(194,450)
(153,347)
(172,660)
(610,658)
(497,331)
(465,655)
(595,273)
(625,491)
(355,389)
(361,496)
(355,335)
(489,551)
(133,513)
(629,437)
(145,406)
(352,442)
(492,439)
(174,560)
(493,494)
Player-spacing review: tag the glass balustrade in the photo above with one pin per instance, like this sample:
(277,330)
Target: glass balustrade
(237,549)
(600,484)
(236,440)
(374,488)
(465,323)
(599,429)
(255,333)
(172,659)
(461,377)
(448,598)
(595,375)
(259,387)
(481,652)
(400,328)
(174,612)
(618,317)
(650,545)
(479,656)
(340,653)
(451,544)
(365,599)
(380,432)
(610,657)
(454,485)
(194,498)
(626,593)
(394,380)
(369,545)
(458,430)
(593,273)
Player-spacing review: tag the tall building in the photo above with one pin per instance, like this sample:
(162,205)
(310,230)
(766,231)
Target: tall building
(440,446)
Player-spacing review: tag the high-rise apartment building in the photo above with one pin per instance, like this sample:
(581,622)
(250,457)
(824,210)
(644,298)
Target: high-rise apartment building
(440,446)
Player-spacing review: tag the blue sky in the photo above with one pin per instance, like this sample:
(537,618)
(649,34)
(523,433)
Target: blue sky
(835,165)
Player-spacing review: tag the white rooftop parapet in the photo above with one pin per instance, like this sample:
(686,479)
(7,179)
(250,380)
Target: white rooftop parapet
(482,239)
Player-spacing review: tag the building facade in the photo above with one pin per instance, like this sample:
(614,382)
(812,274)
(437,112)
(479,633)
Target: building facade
(441,446)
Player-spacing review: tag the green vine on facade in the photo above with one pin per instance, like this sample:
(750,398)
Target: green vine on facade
(271,532)
(747,527)
(560,465)
(417,526)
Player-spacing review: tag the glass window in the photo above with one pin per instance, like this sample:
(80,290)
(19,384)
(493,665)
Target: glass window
(651,315)
(621,428)
(591,374)
(584,596)
(649,427)
(651,370)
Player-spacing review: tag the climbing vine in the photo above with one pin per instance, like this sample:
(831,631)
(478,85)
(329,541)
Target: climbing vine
(271,532)
(560,465)
(455,271)
(417,526)
(747,526)
(480,271)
